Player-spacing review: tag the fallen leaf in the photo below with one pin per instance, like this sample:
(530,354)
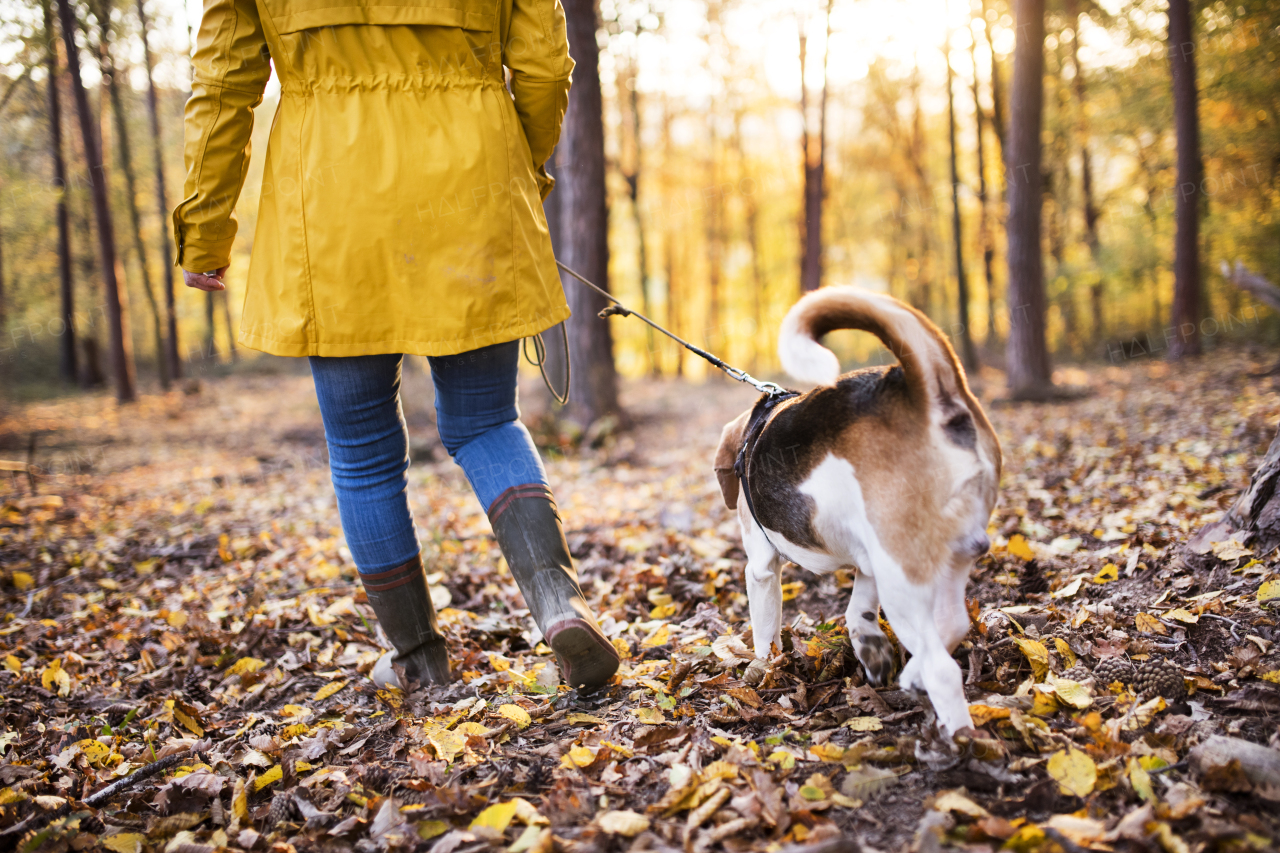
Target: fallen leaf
(269,778)
(329,689)
(1019,547)
(1068,590)
(516,714)
(1149,624)
(1108,573)
(124,842)
(625,823)
(864,724)
(496,817)
(1074,771)
(1269,591)
(1037,655)
(954,801)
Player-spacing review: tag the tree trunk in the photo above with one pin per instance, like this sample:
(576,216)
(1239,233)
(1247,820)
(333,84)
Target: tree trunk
(967,354)
(166,252)
(1254,519)
(1028,371)
(815,167)
(997,91)
(1186,258)
(984,220)
(224,299)
(121,355)
(585,223)
(752,211)
(66,291)
(102,11)
(1096,289)
(630,92)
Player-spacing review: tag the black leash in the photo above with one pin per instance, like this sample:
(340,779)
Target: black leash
(618,309)
(760,415)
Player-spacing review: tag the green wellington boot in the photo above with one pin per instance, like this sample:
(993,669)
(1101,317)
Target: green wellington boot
(400,600)
(527,526)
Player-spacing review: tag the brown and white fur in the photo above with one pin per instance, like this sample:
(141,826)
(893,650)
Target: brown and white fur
(890,471)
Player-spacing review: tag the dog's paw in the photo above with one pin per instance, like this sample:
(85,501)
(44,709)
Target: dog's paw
(875,652)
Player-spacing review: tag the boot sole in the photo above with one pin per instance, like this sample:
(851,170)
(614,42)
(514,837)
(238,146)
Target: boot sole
(586,658)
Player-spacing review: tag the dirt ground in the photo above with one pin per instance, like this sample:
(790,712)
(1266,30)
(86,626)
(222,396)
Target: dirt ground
(181,617)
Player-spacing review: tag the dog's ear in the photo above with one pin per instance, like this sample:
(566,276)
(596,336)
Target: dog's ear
(727,455)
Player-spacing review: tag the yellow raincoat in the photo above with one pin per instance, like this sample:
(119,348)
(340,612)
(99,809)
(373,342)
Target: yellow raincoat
(401,196)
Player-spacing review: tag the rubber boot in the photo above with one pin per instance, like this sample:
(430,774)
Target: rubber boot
(527,525)
(400,600)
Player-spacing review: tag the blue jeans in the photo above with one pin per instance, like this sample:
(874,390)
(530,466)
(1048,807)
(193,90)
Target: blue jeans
(479,425)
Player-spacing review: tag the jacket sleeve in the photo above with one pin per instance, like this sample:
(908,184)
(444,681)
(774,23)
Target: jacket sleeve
(231,69)
(537,52)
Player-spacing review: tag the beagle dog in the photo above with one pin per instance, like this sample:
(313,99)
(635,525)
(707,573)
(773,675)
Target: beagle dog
(889,471)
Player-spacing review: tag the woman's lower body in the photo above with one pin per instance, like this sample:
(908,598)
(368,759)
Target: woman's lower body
(479,425)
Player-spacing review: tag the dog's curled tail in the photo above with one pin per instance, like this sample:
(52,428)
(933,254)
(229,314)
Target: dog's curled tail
(932,371)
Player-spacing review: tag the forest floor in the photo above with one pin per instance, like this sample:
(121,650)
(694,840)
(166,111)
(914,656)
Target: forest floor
(176,591)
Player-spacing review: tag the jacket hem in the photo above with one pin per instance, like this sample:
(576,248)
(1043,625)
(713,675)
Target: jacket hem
(300,348)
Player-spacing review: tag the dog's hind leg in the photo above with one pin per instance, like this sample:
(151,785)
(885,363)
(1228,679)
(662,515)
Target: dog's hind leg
(869,642)
(910,609)
(764,585)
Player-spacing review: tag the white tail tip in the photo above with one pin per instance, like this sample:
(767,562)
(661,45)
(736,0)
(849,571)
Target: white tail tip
(804,359)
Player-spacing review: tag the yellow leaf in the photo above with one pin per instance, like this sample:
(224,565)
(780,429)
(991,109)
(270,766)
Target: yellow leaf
(664,611)
(470,729)
(983,714)
(24,581)
(244,665)
(293,731)
(329,689)
(1109,573)
(1142,715)
(496,817)
(516,714)
(12,663)
(269,778)
(177,619)
(649,716)
(55,677)
(1149,624)
(660,637)
(578,756)
(1019,547)
(240,801)
(124,842)
(1044,704)
(791,590)
(827,751)
(303,766)
(94,750)
(1269,591)
(584,719)
(1183,616)
(1273,676)
(1064,651)
(864,724)
(626,823)
(190,723)
(429,829)
(110,584)
(1140,780)
(1074,771)
(812,794)
(1072,693)
(448,744)
(1037,656)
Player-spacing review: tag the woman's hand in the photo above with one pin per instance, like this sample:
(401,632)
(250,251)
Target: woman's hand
(206,281)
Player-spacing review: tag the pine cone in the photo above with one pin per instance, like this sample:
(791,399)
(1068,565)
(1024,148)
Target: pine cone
(281,810)
(1077,673)
(195,690)
(1160,678)
(1033,581)
(377,779)
(1114,669)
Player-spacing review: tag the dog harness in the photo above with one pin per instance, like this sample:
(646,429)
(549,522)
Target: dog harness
(761,414)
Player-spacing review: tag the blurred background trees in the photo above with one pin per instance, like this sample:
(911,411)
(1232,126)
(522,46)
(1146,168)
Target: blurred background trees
(724,156)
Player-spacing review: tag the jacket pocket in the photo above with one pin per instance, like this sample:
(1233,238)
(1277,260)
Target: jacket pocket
(290,16)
